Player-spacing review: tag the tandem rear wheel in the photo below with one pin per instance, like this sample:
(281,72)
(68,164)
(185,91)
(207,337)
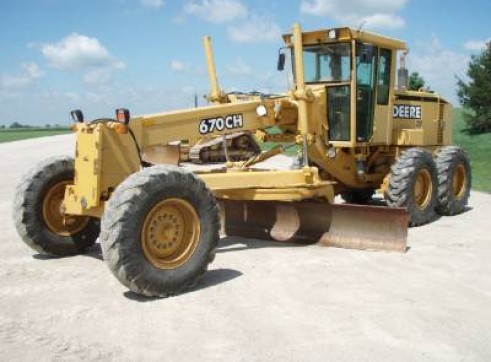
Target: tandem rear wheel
(160,231)
(454,180)
(428,185)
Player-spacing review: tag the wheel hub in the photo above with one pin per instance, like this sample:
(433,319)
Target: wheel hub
(170,233)
(54,216)
(459,182)
(423,189)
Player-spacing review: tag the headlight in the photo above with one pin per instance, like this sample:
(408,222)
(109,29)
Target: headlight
(261,111)
(123,115)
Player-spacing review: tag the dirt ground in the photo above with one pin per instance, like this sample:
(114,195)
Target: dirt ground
(259,301)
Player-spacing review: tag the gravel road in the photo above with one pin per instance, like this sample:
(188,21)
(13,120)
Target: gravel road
(260,300)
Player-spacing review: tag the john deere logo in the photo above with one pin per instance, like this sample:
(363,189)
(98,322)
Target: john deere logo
(406,111)
(231,121)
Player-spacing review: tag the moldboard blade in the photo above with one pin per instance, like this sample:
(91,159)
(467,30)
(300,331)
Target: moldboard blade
(346,226)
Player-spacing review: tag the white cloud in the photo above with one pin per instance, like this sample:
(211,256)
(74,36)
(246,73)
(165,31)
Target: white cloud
(98,76)
(179,66)
(32,70)
(438,66)
(370,13)
(240,68)
(156,4)
(74,97)
(255,30)
(77,51)
(14,83)
(380,21)
(216,11)
(476,45)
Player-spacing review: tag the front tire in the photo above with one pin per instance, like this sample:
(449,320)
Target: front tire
(413,185)
(38,216)
(454,180)
(160,231)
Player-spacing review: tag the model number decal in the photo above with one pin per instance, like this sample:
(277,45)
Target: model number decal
(231,121)
(407,111)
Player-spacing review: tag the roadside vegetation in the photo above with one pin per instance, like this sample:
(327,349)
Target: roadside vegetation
(472,123)
(479,148)
(17,131)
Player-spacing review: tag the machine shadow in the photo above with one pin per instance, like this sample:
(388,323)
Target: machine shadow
(210,279)
(215,277)
(237,243)
(93,251)
(46,257)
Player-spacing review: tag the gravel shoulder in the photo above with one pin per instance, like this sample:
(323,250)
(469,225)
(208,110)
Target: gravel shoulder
(259,301)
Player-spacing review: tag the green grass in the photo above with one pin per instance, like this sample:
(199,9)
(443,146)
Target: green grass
(8,135)
(479,149)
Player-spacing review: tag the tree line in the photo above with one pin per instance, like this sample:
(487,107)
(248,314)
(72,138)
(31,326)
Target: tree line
(17,125)
(474,94)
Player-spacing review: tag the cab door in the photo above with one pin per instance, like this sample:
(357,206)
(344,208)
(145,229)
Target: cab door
(366,80)
(382,129)
(373,83)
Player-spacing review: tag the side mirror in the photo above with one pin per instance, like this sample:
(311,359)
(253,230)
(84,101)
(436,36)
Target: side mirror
(367,51)
(281,61)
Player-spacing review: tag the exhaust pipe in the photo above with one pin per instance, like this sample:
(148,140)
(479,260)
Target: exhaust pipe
(216,94)
(402,72)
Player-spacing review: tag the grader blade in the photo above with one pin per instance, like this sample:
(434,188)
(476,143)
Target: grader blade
(345,226)
(367,227)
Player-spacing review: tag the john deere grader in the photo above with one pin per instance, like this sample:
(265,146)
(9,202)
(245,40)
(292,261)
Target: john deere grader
(354,132)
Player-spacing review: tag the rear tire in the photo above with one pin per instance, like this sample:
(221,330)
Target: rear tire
(454,180)
(37,211)
(360,197)
(160,231)
(413,184)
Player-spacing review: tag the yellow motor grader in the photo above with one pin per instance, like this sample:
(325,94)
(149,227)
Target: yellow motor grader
(354,133)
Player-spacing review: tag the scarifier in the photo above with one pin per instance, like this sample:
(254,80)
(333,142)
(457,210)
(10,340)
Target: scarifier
(354,134)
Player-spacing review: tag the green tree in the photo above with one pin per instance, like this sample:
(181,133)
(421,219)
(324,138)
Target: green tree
(475,95)
(16,125)
(416,82)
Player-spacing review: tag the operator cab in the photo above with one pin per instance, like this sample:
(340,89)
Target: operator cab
(357,70)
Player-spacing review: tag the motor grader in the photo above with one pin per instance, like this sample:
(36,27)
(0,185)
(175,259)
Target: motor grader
(353,133)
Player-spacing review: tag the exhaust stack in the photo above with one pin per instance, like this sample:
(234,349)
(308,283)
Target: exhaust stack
(216,94)
(402,72)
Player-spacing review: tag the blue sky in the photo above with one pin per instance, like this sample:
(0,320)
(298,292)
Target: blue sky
(147,55)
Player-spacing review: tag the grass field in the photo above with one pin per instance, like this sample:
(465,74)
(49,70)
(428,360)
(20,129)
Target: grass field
(479,149)
(17,134)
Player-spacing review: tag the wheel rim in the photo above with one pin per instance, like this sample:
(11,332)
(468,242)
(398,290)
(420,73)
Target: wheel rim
(170,233)
(459,182)
(423,189)
(55,219)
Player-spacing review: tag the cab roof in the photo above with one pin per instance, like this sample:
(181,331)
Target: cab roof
(347,34)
